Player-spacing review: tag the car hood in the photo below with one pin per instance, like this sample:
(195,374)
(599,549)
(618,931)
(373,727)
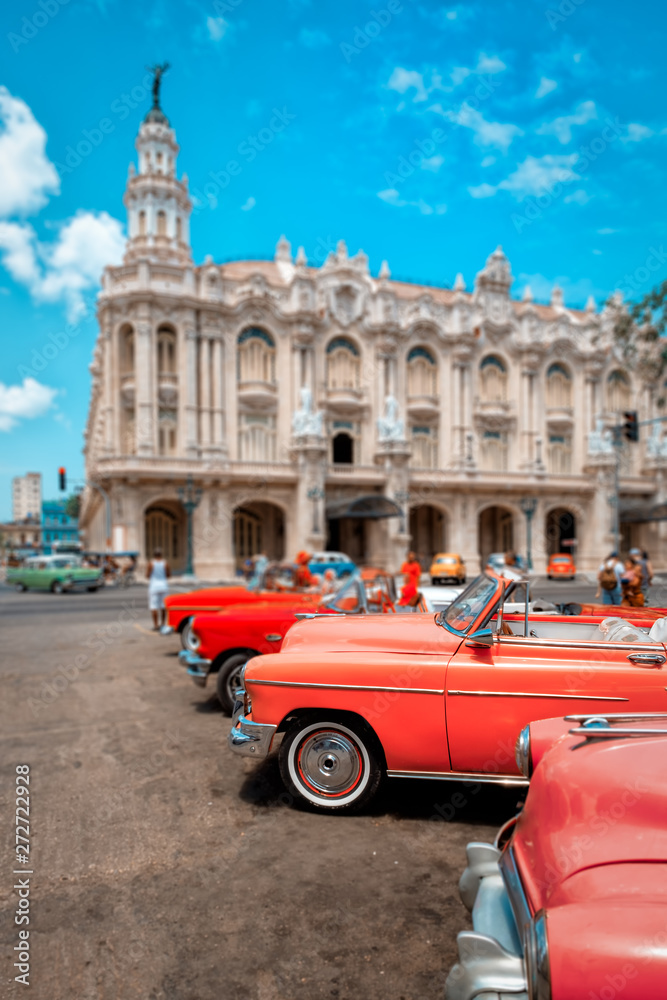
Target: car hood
(415,634)
(591,803)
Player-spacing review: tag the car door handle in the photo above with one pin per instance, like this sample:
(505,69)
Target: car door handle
(647,659)
(273,637)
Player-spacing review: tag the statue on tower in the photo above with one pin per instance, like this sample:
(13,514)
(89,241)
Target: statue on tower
(157,72)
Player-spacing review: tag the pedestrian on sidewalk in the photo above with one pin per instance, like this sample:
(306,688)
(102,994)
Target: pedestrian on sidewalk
(609,579)
(158,574)
(631,581)
(411,568)
(642,559)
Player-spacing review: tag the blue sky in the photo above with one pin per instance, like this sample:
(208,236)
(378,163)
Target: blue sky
(425,133)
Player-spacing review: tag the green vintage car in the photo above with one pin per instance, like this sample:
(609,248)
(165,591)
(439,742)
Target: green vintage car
(54,573)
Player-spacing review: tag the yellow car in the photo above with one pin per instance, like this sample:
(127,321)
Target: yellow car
(447,567)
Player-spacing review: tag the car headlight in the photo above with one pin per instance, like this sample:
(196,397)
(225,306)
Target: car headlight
(522,753)
(536,949)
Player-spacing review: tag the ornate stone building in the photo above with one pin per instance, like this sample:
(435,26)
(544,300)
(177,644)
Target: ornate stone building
(325,407)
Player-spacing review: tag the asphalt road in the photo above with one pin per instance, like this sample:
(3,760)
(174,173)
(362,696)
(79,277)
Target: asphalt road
(167,868)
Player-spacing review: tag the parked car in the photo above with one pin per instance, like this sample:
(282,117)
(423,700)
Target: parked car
(222,643)
(55,573)
(341,564)
(447,567)
(276,586)
(442,696)
(573,904)
(561,567)
(496,562)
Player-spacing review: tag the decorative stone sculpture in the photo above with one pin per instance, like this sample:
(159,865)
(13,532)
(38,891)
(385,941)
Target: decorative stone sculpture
(390,426)
(305,421)
(600,441)
(656,446)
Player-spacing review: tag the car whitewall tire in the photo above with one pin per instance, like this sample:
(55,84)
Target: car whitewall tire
(330,765)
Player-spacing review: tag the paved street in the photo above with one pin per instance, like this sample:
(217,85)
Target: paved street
(165,867)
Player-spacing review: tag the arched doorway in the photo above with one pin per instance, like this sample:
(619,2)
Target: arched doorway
(561,532)
(496,531)
(164,528)
(258,527)
(342,448)
(428,533)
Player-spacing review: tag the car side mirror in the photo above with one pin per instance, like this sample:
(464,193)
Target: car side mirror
(482,638)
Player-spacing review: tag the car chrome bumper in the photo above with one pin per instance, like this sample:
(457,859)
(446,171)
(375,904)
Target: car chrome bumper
(248,738)
(491,955)
(198,668)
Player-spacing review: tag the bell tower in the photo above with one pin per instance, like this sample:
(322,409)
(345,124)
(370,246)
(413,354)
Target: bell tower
(158,205)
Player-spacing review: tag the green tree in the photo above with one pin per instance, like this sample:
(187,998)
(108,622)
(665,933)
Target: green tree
(639,331)
(73,505)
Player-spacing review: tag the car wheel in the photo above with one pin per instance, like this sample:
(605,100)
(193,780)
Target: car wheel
(188,640)
(91,590)
(329,765)
(228,680)
(57,587)
(21,587)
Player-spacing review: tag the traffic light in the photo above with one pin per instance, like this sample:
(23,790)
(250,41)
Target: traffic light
(630,426)
(62,480)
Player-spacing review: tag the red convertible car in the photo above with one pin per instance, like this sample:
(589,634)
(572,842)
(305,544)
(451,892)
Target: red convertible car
(222,643)
(573,904)
(355,698)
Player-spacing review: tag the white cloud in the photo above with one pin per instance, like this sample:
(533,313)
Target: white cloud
(486,65)
(488,161)
(598,253)
(406,79)
(545,87)
(432,163)
(637,133)
(392,197)
(535,176)
(250,204)
(65,269)
(486,133)
(606,231)
(562,127)
(28,176)
(578,197)
(216,27)
(24,402)
(313,39)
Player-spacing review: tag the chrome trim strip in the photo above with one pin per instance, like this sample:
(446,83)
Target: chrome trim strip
(515,890)
(614,733)
(535,694)
(344,687)
(521,640)
(621,716)
(480,776)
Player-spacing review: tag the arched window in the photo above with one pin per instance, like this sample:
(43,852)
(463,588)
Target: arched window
(559,386)
(424,448)
(257,438)
(343,364)
(158,160)
(618,392)
(422,372)
(256,356)
(166,351)
(493,377)
(560,455)
(126,350)
(142,223)
(179,229)
(161,223)
(494,451)
(167,431)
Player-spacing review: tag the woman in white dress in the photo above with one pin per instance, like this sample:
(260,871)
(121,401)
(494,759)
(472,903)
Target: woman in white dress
(158,576)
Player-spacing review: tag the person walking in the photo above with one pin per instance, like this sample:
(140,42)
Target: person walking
(609,580)
(631,582)
(412,568)
(644,563)
(158,574)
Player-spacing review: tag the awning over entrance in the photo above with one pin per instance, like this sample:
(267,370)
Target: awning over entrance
(373,506)
(640,513)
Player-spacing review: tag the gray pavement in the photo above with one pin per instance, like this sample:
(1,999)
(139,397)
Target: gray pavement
(166,868)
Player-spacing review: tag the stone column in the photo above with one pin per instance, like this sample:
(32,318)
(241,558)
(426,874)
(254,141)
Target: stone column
(145,388)
(112,403)
(204,392)
(212,530)
(190,394)
(218,403)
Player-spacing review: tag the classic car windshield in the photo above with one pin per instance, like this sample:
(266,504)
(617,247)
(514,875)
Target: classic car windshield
(467,608)
(447,560)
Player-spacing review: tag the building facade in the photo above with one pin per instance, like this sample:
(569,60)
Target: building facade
(27,497)
(59,530)
(324,407)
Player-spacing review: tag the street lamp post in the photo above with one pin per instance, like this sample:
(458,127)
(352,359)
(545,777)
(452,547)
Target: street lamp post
(402,497)
(190,499)
(528,507)
(315,493)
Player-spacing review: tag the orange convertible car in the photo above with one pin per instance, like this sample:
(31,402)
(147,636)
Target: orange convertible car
(444,696)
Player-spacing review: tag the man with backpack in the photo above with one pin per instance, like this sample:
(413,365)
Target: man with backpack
(609,579)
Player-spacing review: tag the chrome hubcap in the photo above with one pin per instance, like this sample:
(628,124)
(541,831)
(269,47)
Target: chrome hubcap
(329,762)
(234,680)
